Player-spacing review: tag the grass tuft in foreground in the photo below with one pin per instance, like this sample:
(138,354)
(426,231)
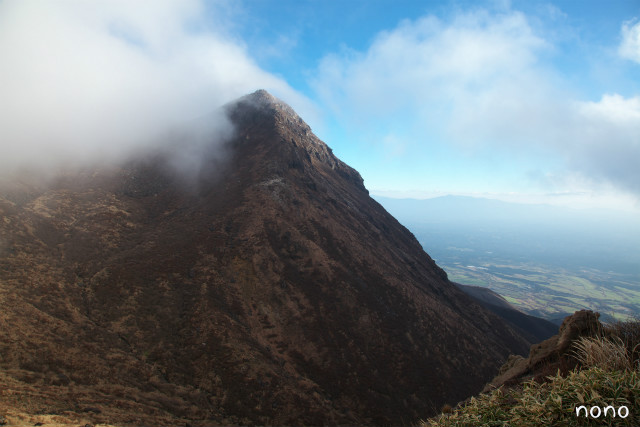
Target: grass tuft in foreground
(607,354)
(553,402)
(609,377)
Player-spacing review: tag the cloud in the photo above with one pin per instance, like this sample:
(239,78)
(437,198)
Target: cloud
(606,144)
(484,81)
(630,45)
(429,60)
(88,81)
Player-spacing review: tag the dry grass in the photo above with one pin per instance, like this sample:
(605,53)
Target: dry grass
(609,375)
(604,353)
(552,403)
(629,333)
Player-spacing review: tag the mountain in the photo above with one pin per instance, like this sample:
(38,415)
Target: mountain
(486,296)
(265,288)
(532,328)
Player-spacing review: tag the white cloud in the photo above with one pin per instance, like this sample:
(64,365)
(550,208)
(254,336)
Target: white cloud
(606,141)
(630,45)
(95,80)
(483,81)
(429,60)
(614,109)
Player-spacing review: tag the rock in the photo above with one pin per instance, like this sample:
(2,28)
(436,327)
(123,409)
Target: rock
(583,323)
(512,361)
(515,368)
(549,354)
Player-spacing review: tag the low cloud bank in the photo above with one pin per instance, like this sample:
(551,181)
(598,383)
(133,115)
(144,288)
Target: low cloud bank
(95,82)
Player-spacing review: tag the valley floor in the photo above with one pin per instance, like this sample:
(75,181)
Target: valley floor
(552,292)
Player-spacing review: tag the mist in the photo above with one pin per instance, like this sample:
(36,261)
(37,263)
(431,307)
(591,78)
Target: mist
(98,82)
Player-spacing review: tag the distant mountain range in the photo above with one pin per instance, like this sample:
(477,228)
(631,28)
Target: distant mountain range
(452,208)
(565,237)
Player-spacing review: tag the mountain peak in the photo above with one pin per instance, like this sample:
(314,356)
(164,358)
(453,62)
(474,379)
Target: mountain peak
(261,100)
(281,128)
(262,95)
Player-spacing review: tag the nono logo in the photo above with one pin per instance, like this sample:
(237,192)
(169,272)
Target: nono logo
(596,411)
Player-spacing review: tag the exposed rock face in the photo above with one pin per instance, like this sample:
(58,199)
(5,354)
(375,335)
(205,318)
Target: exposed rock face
(551,354)
(273,291)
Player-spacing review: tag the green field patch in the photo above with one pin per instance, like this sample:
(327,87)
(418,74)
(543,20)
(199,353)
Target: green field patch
(553,291)
(629,293)
(511,300)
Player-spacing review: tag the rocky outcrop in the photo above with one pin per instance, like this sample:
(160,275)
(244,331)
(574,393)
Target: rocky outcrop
(550,355)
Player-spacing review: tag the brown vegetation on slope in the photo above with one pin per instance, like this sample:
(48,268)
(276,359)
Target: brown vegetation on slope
(269,290)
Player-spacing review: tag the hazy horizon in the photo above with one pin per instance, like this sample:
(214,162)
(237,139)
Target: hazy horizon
(543,258)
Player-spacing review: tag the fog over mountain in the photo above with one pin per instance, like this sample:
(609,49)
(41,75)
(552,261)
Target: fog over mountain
(90,82)
(84,83)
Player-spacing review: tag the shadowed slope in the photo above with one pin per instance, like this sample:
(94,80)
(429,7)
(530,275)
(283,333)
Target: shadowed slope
(532,328)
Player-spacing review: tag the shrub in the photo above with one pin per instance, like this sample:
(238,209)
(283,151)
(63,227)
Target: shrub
(553,402)
(607,379)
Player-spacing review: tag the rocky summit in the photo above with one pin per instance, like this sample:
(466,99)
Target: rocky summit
(267,288)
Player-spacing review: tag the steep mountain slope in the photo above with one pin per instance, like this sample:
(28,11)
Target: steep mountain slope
(267,289)
(532,328)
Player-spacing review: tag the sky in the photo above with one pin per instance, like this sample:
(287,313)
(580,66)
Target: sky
(529,101)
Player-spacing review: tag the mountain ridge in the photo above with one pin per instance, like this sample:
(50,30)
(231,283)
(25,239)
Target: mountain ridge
(275,291)
(534,329)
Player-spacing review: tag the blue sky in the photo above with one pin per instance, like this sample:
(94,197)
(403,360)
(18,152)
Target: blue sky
(430,98)
(523,100)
